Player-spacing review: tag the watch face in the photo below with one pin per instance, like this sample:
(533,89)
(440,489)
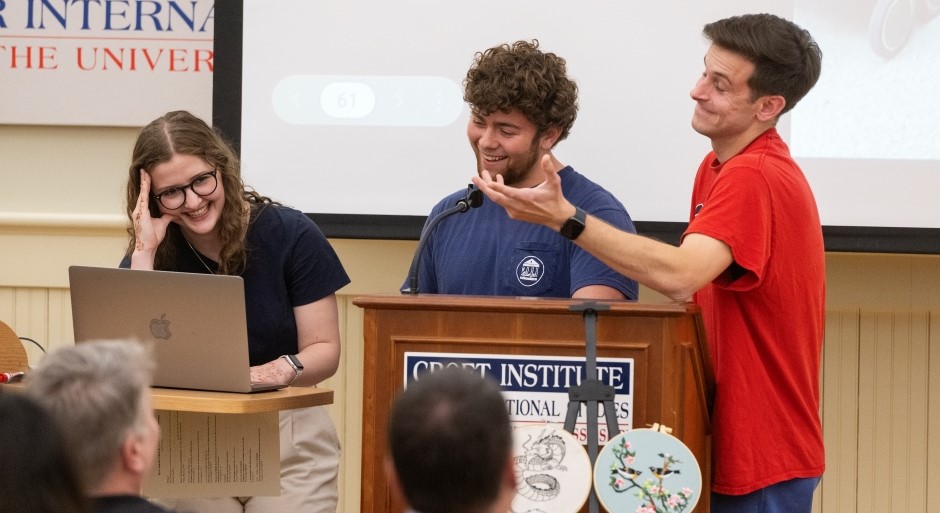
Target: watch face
(574,225)
(296,361)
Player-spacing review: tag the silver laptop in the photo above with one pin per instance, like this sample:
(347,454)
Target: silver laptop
(196,323)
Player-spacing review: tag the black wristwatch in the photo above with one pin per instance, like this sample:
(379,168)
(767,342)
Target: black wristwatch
(574,225)
(296,364)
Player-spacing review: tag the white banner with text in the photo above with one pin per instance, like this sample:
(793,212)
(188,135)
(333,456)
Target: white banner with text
(104,63)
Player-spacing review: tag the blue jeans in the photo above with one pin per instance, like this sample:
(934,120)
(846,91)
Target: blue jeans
(793,496)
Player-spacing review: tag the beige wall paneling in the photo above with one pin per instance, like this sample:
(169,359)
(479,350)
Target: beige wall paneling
(7,306)
(41,314)
(933,413)
(838,489)
(337,410)
(892,429)
(352,409)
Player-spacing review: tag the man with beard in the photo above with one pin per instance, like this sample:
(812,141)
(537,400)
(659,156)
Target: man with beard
(522,104)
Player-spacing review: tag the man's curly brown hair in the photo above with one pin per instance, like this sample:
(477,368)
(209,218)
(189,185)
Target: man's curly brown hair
(522,77)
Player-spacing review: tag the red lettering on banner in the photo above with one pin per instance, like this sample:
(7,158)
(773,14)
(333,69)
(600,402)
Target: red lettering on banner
(138,59)
(30,57)
(178,56)
(580,433)
(79,54)
(203,57)
(117,60)
(152,62)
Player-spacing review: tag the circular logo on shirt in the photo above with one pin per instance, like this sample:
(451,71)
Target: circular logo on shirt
(530,271)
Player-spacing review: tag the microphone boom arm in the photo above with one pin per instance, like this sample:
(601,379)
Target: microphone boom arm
(473,199)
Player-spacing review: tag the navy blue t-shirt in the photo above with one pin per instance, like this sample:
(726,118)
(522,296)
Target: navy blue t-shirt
(290,263)
(484,252)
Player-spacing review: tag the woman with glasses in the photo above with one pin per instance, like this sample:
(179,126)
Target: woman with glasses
(190,212)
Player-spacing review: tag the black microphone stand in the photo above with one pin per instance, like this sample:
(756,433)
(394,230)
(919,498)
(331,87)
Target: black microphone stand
(473,199)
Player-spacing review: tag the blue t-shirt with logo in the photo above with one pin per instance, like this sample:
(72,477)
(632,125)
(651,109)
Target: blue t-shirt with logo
(484,252)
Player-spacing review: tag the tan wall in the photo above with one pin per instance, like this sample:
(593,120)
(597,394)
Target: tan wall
(60,204)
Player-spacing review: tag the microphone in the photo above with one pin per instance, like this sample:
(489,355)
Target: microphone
(11,377)
(473,199)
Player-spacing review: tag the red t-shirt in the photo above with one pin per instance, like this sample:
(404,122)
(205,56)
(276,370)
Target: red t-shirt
(764,316)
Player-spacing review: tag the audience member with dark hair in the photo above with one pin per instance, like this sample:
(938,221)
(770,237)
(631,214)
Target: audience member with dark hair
(450,444)
(39,475)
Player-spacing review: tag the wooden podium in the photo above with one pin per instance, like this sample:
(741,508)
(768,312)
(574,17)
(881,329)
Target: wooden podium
(672,381)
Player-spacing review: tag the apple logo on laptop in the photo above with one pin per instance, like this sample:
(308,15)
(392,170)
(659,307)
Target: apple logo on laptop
(160,328)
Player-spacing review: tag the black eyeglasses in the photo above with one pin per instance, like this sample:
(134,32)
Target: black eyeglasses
(174,197)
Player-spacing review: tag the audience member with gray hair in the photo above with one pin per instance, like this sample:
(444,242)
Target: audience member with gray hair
(98,394)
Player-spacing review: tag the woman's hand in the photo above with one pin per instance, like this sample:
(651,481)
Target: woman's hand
(318,344)
(148,231)
(276,371)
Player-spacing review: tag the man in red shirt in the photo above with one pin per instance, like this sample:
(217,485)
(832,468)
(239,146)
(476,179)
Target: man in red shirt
(752,257)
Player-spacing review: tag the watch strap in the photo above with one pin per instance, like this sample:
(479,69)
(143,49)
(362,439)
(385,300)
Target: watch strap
(574,225)
(295,364)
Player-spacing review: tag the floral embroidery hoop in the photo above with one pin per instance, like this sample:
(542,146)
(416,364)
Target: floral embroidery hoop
(553,470)
(647,471)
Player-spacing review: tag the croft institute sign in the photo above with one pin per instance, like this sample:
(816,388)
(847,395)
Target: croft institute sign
(535,387)
(104,62)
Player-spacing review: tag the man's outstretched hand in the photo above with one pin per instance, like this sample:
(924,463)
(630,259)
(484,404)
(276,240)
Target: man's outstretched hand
(543,204)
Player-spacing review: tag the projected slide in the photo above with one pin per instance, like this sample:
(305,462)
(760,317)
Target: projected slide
(357,108)
(878,96)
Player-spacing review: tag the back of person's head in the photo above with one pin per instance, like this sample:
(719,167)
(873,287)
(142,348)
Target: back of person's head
(38,473)
(787,61)
(95,392)
(450,442)
(522,77)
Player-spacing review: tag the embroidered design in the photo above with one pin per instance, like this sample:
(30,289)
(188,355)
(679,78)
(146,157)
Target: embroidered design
(645,471)
(543,454)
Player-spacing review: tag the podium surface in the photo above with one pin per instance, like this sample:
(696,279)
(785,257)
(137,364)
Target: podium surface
(199,401)
(228,402)
(671,382)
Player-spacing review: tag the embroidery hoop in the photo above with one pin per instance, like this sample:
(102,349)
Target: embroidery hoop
(649,474)
(552,470)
